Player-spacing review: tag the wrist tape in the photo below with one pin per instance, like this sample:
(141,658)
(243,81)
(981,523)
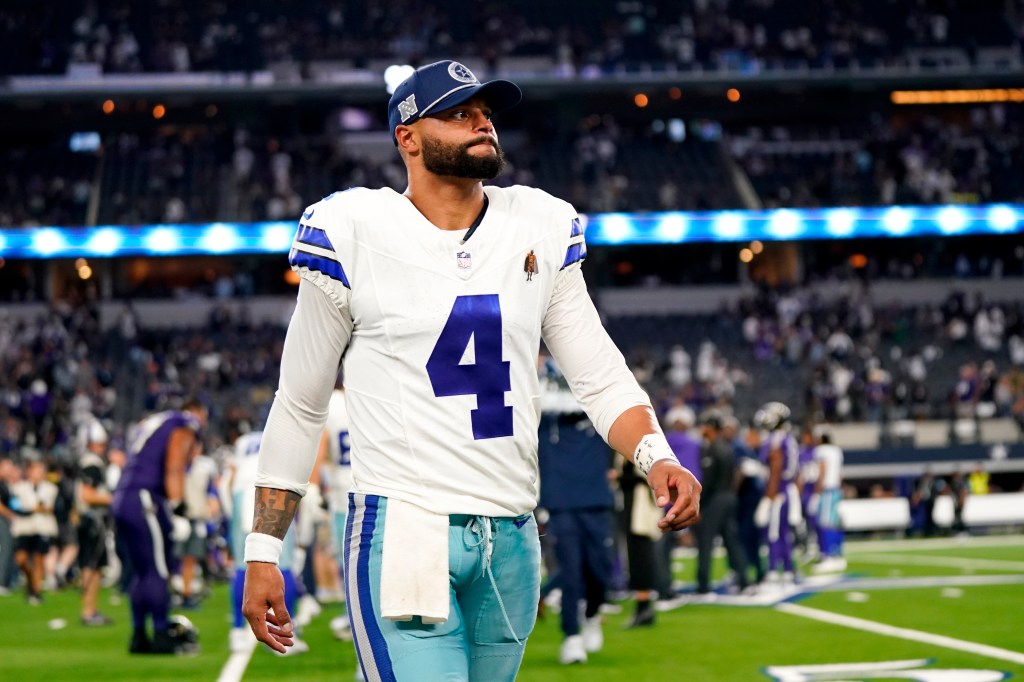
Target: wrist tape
(652,448)
(263,548)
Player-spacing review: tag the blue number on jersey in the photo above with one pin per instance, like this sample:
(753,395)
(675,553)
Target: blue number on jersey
(344,458)
(478,319)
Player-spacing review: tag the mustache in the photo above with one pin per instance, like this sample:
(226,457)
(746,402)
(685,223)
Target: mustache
(482,139)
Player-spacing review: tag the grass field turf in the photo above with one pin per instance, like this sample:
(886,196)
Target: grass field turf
(695,642)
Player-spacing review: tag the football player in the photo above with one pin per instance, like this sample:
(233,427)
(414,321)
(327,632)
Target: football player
(435,302)
(778,512)
(149,514)
(241,482)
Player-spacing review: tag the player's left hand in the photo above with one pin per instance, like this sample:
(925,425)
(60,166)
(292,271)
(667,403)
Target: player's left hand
(674,484)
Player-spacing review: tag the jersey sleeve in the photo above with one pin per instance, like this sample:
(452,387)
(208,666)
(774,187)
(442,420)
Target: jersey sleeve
(316,253)
(318,335)
(595,369)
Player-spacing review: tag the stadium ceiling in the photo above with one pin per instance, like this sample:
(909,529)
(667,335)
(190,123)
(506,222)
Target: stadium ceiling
(605,229)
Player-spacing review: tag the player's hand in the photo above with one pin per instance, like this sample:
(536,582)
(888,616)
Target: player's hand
(673,484)
(263,605)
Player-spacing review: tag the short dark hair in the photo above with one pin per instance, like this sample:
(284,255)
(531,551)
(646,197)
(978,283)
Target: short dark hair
(192,405)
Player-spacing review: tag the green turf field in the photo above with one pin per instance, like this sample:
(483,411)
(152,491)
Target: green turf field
(966,612)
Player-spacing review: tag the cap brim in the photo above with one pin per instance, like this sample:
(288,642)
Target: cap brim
(500,96)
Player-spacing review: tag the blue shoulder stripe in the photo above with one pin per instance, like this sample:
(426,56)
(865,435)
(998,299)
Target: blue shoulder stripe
(331,268)
(577,228)
(576,252)
(313,236)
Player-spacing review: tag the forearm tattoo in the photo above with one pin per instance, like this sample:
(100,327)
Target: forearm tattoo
(274,511)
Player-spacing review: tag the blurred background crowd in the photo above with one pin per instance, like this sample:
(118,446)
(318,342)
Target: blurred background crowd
(125,113)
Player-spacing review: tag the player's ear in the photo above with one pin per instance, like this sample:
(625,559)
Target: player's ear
(406,139)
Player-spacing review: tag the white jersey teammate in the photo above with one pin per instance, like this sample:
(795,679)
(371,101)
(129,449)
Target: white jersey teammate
(829,488)
(438,326)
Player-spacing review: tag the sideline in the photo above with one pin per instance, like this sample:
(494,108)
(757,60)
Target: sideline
(903,633)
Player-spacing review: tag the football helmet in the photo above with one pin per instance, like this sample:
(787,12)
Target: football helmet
(183,635)
(772,416)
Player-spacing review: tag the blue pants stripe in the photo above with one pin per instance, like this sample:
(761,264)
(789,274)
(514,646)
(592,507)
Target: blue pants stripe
(372,650)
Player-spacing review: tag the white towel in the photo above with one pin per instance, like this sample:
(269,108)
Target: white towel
(414,566)
(645,515)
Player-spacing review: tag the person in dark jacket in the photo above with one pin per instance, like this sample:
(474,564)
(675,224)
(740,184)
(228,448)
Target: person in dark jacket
(574,488)
(718,518)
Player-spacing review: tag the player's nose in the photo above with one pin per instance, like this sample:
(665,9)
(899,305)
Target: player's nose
(482,122)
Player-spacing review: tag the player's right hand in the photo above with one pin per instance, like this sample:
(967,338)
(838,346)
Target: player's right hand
(263,606)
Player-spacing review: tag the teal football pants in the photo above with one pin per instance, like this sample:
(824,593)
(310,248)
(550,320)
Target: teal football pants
(493,591)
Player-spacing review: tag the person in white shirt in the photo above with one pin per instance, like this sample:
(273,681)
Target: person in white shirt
(34,527)
(825,503)
(435,302)
(200,506)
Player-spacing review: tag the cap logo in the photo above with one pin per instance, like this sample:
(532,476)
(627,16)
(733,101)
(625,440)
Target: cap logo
(461,73)
(407,107)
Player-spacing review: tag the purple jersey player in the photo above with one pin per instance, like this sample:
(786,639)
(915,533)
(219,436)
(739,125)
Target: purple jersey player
(808,481)
(678,422)
(148,509)
(779,509)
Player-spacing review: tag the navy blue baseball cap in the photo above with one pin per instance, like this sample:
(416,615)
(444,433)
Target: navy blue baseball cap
(441,85)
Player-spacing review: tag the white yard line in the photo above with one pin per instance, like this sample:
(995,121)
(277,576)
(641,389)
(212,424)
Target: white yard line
(236,664)
(963,563)
(856,547)
(903,633)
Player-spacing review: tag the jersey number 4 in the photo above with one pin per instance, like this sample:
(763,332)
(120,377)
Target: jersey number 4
(475,319)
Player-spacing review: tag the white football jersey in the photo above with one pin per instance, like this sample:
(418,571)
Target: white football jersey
(340,445)
(831,457)
(243,480)
(440,370)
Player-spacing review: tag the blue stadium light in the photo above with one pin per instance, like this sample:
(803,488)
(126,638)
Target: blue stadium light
(163,240)
(898,221)
(675,227)
(786,223)
(106,241)
(49,241)
(840,222)
(1002,218)
(952,219)
(277,237)
(728,226)
(672,228)
(614,228)
(220,238)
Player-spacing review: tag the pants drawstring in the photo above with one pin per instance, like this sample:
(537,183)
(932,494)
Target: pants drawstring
(483,531)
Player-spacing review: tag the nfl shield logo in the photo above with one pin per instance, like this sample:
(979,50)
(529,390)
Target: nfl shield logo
(463,259)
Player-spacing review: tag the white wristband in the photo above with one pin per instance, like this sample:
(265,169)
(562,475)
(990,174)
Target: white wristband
(263,548)
(652,448)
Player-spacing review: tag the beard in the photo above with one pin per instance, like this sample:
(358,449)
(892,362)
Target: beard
(455,160)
